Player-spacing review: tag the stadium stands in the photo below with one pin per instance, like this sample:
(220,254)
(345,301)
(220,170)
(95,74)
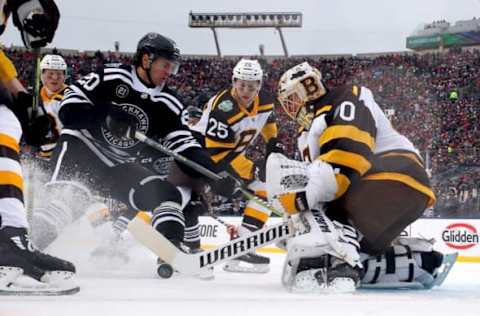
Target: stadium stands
(417,87)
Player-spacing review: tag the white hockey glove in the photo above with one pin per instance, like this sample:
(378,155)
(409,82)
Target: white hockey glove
(295,186)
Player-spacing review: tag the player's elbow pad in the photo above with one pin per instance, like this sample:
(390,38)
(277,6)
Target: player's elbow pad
(322,184)
(77,116)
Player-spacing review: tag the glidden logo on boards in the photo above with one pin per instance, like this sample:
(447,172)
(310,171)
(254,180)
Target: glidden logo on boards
(460,236)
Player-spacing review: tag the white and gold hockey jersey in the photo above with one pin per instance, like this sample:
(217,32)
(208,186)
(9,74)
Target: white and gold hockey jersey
(12,211)
(350,131)
(229,128)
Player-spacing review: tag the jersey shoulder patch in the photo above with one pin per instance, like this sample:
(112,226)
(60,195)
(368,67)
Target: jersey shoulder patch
(224,106)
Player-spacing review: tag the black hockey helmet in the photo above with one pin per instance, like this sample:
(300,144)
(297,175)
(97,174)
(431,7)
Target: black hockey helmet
(156,45)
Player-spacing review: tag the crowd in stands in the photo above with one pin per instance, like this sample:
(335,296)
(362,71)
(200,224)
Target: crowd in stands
(434,100)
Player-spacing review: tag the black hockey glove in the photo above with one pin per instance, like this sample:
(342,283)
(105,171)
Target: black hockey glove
(274,146)
(226,186)
(121,124)
(22,107)
(37,21)
(37,130)
(41,131)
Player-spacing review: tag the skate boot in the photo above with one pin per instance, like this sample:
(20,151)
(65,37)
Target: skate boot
(115,249)
(27,271)
(248,263)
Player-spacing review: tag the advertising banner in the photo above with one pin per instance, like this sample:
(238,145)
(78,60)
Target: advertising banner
(451,235)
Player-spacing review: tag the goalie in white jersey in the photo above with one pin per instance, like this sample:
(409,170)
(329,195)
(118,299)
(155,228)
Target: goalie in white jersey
(361,183)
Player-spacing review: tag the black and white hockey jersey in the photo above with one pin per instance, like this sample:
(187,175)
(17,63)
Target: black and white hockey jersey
(158,112)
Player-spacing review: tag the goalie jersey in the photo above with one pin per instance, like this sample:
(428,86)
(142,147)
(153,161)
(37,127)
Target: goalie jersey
(229,128)
(350,131)
(157,111)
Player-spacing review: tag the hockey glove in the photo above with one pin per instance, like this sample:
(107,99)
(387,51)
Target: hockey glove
(22,107)
(41,131)
(225,186)
(37,130)
(37,21)
(121,124)
(274,146)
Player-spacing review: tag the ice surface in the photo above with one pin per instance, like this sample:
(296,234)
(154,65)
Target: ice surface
(114,288)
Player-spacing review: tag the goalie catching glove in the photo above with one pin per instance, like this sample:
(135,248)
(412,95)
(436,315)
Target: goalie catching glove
(295,186)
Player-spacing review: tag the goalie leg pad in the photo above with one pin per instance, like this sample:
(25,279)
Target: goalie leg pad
(322,258)
(409,263)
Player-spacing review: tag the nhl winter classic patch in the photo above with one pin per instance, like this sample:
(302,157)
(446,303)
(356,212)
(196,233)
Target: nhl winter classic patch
(226,106)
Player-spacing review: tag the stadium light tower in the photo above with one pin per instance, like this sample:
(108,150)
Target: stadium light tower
(277,20)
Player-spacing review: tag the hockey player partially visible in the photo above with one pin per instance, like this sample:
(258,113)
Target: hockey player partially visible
(53,72)
(37,21)
(231,121)
(361,183)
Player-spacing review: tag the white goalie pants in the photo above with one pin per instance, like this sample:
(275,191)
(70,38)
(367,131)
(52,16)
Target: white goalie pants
(12,210)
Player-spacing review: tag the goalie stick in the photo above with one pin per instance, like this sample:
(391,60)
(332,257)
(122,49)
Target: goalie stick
(192,264)
(204,171)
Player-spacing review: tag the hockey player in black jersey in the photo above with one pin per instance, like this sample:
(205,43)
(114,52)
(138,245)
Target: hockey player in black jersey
(97,150)
(361,183)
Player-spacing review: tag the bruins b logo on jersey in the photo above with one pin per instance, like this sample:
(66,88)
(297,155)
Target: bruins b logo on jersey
(142,127)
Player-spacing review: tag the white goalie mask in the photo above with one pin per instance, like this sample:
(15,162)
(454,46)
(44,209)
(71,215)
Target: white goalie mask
(297,86)
(53,62)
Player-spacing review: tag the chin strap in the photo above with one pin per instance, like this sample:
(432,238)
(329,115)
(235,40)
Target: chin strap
(150,81)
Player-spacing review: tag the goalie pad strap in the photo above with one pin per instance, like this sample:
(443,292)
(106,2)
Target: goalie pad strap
(377,270)
(390,258)
(410,265)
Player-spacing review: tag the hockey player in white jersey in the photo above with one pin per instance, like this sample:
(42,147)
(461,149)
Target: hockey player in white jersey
(231,121)
(53,73)
(37,21)
(361,183)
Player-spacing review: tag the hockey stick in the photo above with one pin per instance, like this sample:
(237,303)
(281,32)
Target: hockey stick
(204,171)
(36,82)
(192,264)
(30,194)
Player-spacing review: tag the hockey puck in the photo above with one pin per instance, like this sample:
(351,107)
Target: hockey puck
(165,271)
